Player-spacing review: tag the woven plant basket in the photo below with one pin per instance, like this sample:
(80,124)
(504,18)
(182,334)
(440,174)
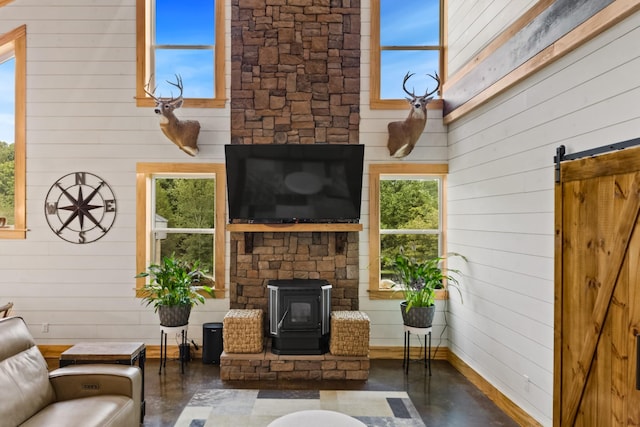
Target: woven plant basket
(417,317)
(174,315)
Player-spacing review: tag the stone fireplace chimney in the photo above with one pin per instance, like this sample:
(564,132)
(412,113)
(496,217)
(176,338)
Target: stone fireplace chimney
(295,71)
(295,79)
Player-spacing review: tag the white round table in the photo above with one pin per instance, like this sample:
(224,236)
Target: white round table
(316,418)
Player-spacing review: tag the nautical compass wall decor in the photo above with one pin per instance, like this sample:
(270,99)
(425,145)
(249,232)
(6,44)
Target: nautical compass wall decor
(80,207)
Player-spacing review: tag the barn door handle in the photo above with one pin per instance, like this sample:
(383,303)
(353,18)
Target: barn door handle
(637,362)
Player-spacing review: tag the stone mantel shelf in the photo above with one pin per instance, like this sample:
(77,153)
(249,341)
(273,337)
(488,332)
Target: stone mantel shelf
(284,228)
(250,229)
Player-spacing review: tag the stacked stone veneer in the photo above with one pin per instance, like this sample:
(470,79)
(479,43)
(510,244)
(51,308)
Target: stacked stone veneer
(269,366)
(295,71)
(304,255)
(332,256)
(295,79)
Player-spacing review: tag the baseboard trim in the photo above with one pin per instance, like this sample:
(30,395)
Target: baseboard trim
(441,353)
(52,352)
(153,352)
(495,395)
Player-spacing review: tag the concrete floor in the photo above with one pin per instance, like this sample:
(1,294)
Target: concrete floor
(444,399)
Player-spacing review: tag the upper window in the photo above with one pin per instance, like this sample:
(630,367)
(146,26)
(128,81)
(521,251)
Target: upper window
(406,211)
(182,39)
(13,134)
(181,213)
(406,37)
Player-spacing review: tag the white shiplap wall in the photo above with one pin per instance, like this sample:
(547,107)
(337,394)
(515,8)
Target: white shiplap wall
(501,195)
(81,115)
(386,321)
(473,24)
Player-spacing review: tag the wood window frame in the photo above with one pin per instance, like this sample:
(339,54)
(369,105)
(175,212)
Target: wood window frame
(144,174)
(375,172)
(143,63)
(375,102)
(16,41)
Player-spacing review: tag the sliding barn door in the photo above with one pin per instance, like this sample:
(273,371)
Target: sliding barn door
(597,291)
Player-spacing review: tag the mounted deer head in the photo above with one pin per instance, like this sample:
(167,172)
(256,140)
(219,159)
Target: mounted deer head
(404,135)
(183,133)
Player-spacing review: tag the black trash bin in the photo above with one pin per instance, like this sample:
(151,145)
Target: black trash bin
(211,342)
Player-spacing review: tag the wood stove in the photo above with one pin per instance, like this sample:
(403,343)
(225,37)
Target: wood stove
(299,316)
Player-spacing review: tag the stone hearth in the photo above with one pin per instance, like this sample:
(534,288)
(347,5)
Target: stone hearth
(269,366)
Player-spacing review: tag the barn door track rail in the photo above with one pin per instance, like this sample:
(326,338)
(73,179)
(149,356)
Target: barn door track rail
(561,154)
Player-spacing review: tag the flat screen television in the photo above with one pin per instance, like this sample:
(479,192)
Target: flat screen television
(294,183)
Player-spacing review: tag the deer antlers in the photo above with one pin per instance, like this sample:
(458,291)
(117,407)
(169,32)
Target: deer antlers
(426,93)
(177,84)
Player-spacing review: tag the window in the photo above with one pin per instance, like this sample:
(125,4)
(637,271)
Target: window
(181,211)
(406,37)
(13,133)
(185,39)
(405,210)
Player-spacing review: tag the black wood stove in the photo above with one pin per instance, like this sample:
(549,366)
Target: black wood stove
(299,316)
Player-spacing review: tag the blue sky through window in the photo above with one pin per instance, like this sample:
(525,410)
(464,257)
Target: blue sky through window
(184,25)
(195,67)
(394,66)
(408,23)
(192,23)
(7,100)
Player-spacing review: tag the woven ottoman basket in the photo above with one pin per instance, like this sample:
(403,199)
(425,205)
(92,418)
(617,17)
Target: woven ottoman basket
(349,333)
(242,331)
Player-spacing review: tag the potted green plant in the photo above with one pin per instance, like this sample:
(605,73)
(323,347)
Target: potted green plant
(419,279)
(173,288)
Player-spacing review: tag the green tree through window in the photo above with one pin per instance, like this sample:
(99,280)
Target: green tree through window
(185,219)
(180,210)
(406,210)
(409,219)
(7,181)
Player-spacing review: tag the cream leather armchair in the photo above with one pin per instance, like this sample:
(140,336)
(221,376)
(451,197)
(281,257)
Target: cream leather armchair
(81,395)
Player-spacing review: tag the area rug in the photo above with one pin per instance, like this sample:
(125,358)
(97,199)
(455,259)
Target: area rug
(257,408)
